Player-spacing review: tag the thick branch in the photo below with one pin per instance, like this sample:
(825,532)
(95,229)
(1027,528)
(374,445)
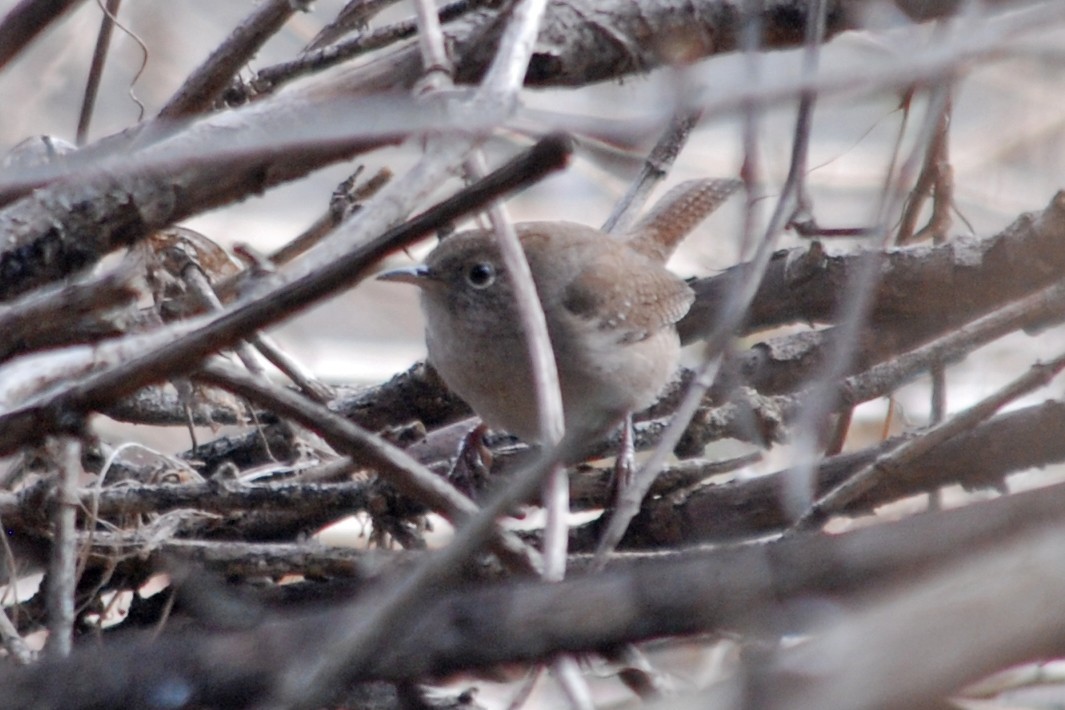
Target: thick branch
(956,281)
(65,316)
(740,588)
(217,331)
(581,44)
(755,507)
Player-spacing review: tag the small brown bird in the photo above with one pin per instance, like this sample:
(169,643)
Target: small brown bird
(611,307)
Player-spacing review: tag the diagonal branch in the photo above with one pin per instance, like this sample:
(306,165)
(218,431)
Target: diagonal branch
(204,335)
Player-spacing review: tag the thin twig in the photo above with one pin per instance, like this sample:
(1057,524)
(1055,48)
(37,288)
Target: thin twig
(273,77)
(800,151)
(501,84)
(654,169)
(13,642)
(856,305)
(935,179)
(62,580)
(96,69)
(355,14)
(353,647)
(292,368)
(405,473)
(199,286)
(207,334)
(437,67)
(345,201)
(1038,375)
(207,82)
(568,674)
(734,313)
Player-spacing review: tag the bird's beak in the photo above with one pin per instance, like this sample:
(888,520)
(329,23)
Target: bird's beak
(419,275)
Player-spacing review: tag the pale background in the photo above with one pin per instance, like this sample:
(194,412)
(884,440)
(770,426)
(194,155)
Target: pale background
(1007,150)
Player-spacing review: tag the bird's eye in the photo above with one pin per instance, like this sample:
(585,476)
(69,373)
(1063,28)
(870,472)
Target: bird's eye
(481,275)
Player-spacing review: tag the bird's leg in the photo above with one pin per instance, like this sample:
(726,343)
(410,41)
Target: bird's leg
(625,463)
(473,463)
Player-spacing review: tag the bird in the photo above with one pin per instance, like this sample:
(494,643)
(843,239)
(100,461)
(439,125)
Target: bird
(610,303)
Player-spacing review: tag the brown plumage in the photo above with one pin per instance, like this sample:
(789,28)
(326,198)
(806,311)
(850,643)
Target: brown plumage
(610,305)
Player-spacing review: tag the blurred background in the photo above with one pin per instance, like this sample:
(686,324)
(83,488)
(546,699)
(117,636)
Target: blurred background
(1007,146)
(1007,149)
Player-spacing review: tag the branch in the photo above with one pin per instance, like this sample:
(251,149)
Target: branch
(206,83)
(208,334)
(65,315)
(26,20)
(751,508)
(578,47)
(956,281)
(731,588)
(391,463)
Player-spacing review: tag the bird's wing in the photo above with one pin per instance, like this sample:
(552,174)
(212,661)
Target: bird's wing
(635,306)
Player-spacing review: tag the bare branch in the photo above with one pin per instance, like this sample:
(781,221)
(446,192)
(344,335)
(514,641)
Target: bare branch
(205,84)
(26,20)
(208,334)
